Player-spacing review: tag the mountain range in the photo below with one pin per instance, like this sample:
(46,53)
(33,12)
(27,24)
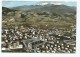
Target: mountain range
(60,9)
(38,15)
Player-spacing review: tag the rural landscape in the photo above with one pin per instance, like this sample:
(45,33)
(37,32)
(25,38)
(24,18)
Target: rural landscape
(44,27)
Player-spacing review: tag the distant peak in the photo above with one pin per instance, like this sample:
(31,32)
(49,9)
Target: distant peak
(46,3)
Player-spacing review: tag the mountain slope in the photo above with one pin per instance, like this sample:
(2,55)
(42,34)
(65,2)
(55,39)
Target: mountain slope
(5,10)
(26,7)
(60,9)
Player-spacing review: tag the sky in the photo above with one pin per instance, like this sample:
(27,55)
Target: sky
(21,3)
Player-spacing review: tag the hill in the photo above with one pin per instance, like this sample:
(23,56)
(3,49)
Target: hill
(60,9)
(39,17)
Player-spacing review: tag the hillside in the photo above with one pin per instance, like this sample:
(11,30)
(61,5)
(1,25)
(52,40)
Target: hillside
(50,8)
(40,17)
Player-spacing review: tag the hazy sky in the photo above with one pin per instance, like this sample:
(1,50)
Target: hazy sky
(20,3)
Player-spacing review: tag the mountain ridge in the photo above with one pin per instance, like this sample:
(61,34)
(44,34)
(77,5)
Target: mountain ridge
(50,8)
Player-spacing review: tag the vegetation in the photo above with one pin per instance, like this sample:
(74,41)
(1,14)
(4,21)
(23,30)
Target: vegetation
(41,19)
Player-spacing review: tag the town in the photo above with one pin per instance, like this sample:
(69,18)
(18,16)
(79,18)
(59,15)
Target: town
(36,40)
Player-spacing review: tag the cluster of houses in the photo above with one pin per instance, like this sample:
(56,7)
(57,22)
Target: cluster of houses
(35,40)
